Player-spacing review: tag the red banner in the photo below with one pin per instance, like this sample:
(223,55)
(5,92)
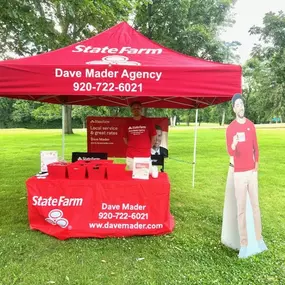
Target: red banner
(67,208)
(105,134)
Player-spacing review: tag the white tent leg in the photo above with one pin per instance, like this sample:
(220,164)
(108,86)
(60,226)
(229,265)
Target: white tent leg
(63,127)
(194,153)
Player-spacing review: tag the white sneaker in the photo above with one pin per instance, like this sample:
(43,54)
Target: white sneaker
(262,246)
(243,252)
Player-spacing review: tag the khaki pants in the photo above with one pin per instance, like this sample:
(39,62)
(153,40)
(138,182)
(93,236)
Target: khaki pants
(243,182)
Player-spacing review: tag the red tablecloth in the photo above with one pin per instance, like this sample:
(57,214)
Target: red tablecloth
(67,208)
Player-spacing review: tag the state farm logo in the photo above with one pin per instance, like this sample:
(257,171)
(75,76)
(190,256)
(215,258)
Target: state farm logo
(113,50)
(55,217)
(61,201)
(136,127)
(88,158)
(114,60)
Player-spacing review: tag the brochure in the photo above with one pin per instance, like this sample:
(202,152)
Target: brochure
(141,166)
(48,157)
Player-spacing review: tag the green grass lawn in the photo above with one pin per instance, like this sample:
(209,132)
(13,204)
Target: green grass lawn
(192,254)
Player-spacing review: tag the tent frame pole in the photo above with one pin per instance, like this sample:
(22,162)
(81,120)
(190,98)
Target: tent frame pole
(195,147)
(63,128)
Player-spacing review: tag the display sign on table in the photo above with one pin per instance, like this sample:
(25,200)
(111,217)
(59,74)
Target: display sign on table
(48,157)
(141,167)
(105,134)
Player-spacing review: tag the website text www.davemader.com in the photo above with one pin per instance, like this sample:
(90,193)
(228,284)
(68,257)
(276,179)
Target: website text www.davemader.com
(136,226)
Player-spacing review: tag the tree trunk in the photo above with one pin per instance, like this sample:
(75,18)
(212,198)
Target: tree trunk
(173,121)
(188,121)
(83,124)
(67,119)
(223,117)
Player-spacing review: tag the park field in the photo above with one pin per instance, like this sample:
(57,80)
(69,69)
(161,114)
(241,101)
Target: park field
(191,254)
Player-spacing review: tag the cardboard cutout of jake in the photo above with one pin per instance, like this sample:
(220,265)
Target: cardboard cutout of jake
(241,218)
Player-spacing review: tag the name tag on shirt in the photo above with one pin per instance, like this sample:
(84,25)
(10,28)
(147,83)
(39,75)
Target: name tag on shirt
(241,137)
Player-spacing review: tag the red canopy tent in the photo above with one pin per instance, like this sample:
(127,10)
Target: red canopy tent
(116,67)
(113,68)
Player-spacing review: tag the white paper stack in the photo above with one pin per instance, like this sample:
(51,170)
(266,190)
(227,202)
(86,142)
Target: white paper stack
(141,166)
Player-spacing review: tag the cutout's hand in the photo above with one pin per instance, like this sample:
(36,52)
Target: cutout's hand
(235,142)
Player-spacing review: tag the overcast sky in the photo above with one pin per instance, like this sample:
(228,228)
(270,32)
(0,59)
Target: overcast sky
(247,14)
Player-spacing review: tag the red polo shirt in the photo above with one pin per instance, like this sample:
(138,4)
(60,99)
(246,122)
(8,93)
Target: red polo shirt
(246,152)
(138,134)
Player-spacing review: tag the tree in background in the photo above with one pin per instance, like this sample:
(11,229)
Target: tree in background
(190,27)
(265,72)
(22,110)
(82,112)
(47,112)
(34,26)
(6,107)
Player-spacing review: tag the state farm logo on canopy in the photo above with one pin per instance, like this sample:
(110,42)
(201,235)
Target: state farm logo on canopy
(114,59)
(122,50)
